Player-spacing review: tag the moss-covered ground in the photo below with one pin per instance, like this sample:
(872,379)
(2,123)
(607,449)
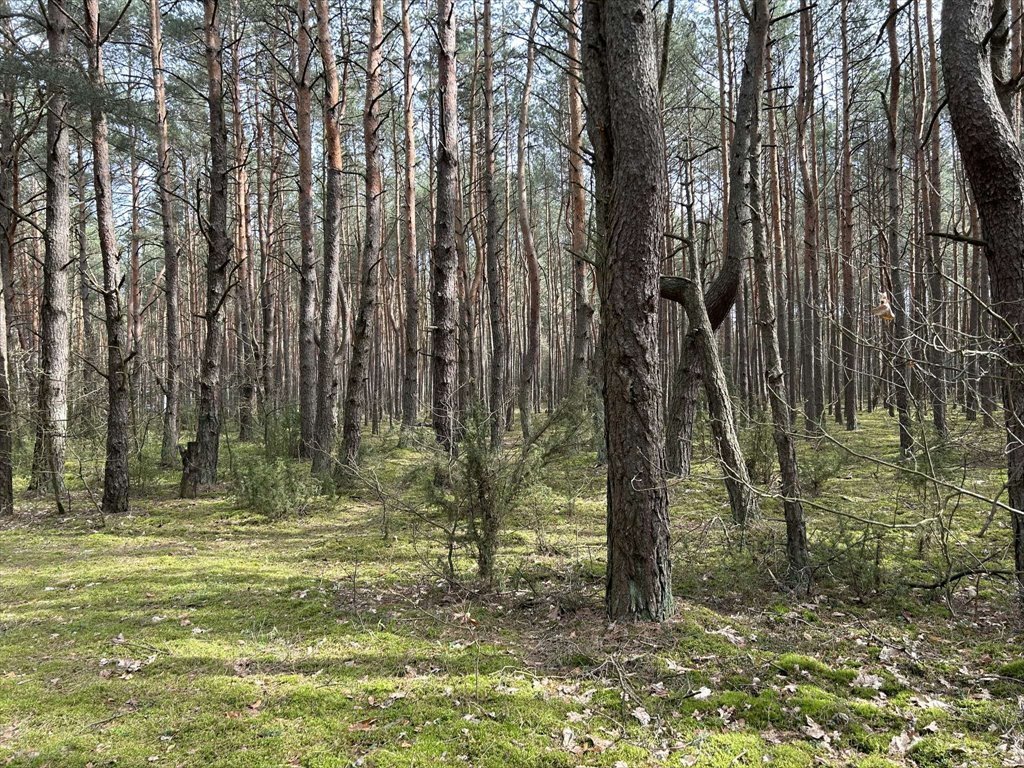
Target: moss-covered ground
(202,633)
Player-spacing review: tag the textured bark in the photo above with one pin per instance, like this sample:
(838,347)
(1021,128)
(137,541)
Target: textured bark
(849,368)
(87,344)
(624,124)
(172,353)
(199,458)
(115,468)
(355,391)
(899,364)
(495,280)
(994,161)
(8,225)
(583,311)
(410,264)
(531,356)
(307,265)
(445,262)
(51,437)
(774,375)
(327,362)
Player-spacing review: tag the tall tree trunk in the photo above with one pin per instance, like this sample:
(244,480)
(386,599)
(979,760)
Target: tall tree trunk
(172,364)
(975,82)
(624,123)
(307,265)
(531,357)
(583,311)
(355,392)
(445,262)
(51,438)
(900,367)
(199,458)
(327,362)
(495,282)
(115,469)
(849,368)
(775,378)
(8,225)
(410,263)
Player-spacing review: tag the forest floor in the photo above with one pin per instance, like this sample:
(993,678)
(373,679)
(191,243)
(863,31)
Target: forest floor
(201,633)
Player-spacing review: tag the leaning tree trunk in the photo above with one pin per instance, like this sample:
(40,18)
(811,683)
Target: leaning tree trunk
(624,124)
(355,392)
(172,381)
(51,435)
(994,161)
(115,470)
(445,261)
(325,429)
(531,358)
(199,458)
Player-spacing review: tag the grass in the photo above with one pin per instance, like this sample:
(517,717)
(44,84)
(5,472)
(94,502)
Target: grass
(203,633)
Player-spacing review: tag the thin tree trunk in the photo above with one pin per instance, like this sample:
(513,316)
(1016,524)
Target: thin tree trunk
(307,265)
(410,264)
(355,392)
(531,357)
(199,459)
(327,363)
(115,470)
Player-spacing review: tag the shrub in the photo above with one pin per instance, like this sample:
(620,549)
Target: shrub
(273,488)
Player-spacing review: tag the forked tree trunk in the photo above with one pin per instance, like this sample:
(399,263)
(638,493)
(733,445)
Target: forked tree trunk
(624,123)
(115,468)
(355,391)
(994,161)
(326,428)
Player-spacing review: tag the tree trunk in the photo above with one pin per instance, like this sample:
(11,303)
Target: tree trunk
(355,392)
(172,382)
(410,264)
(900,368)
(445,263)
(8,224)
(994,162)
(327,362)
(849,369)
(307,265)
(51,438)
(531,357)
(199,458)
(115,470)
(624,124)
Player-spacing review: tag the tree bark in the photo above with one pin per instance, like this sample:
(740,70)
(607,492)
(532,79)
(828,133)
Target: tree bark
(355,392)
(624,124)
(994,161)
(51,438)
(445,262)
(199,458)
(115,470)
(327,362)
(531,357)
(172,364)
(410,263)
